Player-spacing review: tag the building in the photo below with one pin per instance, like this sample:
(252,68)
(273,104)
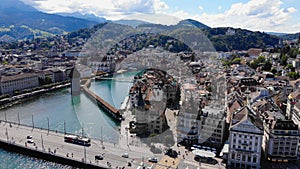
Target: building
(106,64)
(282,141)
(281,136)
(17,83)
(245,139)
(149,115)
(187,122)
(211,125)
(75,82)
(293,107)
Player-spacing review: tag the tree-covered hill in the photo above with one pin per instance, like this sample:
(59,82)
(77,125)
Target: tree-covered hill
(20,21)
(227,39)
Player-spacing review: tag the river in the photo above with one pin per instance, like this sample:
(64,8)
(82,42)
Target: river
(60,108)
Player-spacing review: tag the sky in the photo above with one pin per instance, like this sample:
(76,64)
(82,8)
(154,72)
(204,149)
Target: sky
(256,15)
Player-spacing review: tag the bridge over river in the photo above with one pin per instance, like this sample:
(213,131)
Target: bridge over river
(50,145)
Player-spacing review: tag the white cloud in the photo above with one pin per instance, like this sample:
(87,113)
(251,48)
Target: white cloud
(262,15)
(110,9)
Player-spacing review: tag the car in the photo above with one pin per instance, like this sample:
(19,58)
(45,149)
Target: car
(153,159)
(125,155)
(30,141)
(99,157)
(29,137)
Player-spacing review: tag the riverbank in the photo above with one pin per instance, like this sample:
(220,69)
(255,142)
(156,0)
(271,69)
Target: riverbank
(18,99)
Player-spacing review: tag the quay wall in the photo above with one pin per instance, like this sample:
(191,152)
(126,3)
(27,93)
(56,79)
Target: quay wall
(101,103)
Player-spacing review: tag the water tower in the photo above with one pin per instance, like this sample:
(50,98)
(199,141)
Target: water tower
(75,82)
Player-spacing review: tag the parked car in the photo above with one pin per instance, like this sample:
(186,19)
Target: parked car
(29,137)
(99,157)
(125,155)
(30,141)
(153,159)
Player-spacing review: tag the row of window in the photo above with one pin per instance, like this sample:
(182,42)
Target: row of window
(246,136)
(242,157)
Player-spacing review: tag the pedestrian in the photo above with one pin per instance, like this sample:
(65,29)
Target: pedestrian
(72,155)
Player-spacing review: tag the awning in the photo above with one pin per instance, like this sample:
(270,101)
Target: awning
(204,153)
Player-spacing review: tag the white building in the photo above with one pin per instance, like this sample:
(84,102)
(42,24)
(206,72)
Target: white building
(293,107)
(10,84)
(187,122)
(212,125)
(245,140)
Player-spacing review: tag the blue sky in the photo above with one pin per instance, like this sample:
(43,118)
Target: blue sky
(260,15)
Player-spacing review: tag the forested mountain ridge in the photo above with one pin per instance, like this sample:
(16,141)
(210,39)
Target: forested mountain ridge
(20,21)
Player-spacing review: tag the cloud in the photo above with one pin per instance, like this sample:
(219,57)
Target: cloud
(262,15)
(110,9)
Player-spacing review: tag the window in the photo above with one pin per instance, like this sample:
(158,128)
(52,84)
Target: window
(249,158)
(254,159)
(233,155)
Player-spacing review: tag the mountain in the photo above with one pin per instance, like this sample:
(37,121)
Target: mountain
(276,33)
(294,36)
(188,22)
(223,39)
(227,39)
(17,4)
(90,17)
(133,22)
(21,21)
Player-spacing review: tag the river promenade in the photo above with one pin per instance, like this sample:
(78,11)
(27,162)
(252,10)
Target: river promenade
(50,145)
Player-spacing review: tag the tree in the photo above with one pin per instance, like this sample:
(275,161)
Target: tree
(283,59)
(236,61)
(267,66)
(274,71)
(293,75)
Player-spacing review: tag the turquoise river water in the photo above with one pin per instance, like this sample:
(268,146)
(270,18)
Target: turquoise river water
(60,108)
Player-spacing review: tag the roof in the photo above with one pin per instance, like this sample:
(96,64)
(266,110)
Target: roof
(235,106)
(246,114)
(285,125)
(74,73)
(17,77)
(295,95)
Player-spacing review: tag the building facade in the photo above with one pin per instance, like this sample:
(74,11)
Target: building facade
(11,84)
(212,125)
(245,140)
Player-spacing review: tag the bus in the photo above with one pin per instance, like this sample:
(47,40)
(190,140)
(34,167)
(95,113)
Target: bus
(84,141)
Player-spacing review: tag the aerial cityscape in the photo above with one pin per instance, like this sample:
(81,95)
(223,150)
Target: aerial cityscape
(81,87)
